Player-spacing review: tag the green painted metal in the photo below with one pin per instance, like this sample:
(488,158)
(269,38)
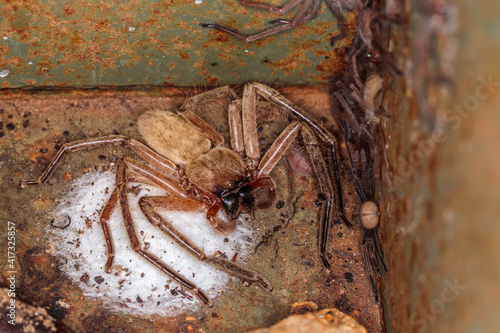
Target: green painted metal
(127,43)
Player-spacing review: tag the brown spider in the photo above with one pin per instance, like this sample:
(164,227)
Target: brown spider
(369,213)
(307,11)
(189,160)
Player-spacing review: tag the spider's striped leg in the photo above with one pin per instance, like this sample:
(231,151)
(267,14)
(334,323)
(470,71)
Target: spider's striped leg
(122,178)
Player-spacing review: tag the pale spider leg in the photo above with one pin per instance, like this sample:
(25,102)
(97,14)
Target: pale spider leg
(300,18)
(340,21)
(326,188)
(105,215)
(166,166)
(235,129)
(357,182)
(249,118)
(356,94)
(148,176)
(204,127)
(192,106)
(270,8)
(378,249)
(348,109)
(278,149)
(272,95)
(148,205)
(198,101)
(274,155)
(353,65)
(368,265)
(309,15)
(121,185)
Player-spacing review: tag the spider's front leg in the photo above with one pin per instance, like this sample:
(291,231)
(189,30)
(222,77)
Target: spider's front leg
(277,151)
(160,162)
(325,136)
(326,187)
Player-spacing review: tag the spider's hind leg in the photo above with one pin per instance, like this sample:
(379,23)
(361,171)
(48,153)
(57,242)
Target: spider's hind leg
(149,205)
(123,175)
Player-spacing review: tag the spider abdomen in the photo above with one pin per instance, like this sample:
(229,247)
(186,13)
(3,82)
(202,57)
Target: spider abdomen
(172,136)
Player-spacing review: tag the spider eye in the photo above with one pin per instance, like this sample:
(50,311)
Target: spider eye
(231,205)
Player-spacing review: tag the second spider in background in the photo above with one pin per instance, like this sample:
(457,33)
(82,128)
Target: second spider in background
(362,165)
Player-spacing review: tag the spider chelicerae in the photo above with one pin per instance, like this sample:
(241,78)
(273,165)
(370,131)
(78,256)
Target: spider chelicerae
(199,172)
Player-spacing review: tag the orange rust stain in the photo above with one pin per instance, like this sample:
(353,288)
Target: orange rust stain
(20,135)
(68,10)
(16,61)
(225,57)
(67,177)
(292,64)
(43,203)
(223,38)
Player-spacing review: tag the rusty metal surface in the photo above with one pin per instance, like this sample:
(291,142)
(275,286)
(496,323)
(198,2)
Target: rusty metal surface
(442,234)
(126,43)
(36,124)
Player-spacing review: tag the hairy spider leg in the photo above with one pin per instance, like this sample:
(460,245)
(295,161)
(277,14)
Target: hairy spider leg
(357,182)
(270,8)
(326,187)
(160,162)
(327,173)
(249,123)
(235,127)
(337,12)
(307,11)
(349,111)
(137,170)
(192,106)
(326,137)
(353,62)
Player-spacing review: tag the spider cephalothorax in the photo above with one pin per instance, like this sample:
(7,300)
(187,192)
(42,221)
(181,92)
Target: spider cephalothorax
(199,172)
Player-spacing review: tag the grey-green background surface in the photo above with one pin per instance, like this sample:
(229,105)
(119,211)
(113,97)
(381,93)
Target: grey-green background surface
(140,42)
